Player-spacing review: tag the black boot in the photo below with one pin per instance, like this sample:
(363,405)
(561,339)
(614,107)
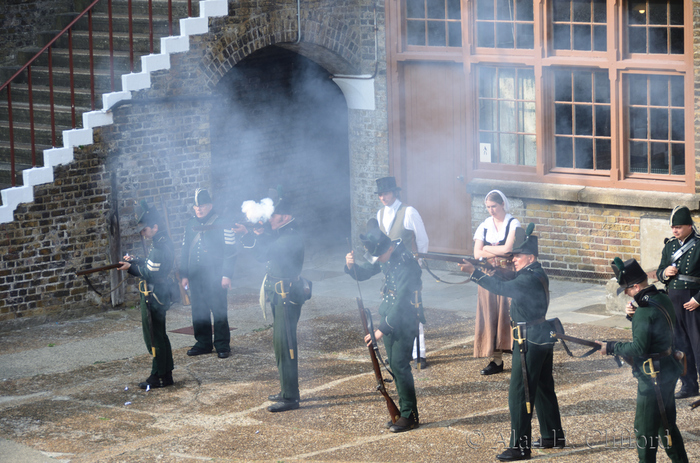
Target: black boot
(156,381)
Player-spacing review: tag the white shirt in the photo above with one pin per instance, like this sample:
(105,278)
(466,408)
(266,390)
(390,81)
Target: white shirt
(411,221)
(493,236)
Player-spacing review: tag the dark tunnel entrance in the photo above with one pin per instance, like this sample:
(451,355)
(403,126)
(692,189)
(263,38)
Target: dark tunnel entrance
(282,121)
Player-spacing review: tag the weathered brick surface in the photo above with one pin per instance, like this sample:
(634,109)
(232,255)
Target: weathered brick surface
(160,147)
(20,20)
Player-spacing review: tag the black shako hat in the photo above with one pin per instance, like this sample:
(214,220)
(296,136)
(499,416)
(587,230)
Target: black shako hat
(628,273)
(681,216)
(281,202)
(145,215)
(201,197)
(376,242)
(386,184)
(525,241)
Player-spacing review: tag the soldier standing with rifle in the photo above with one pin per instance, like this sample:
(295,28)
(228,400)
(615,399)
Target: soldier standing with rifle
(206,267)
(531,380)
(653,360)
(679,270)
(282,247)
(155,293)
(401,310)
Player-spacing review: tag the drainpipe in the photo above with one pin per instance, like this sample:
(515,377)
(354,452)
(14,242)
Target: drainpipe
(298,22)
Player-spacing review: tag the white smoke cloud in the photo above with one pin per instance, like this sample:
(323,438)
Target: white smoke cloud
(258,212)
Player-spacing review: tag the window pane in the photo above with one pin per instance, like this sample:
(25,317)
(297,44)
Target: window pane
(637,90)
(504,10)
(487,82)
(602,154)
(487,115)
(659,158)
(658,40)
(582,11)
(599,12)
(602,121)
(524,11)
(676,15)
(677,91)
(561,39)
(678,159)
(602,87)
(436,9)
(657,12)
(415,32)
(505,35)
(506,84)
(677,45)
(507,149)
(436,34)
(582,37)
(528,150)
(528,119)
(506,113)
(564,119)
(455,34)
(561,10)
(562,86)
(658,90)
(485,36)
(638,122)
(526,36)
(584,153)
(600,38)
(526,85)
(582,87)
(637,40)
(415,9)
(484,9)
(637,13)
(453,9)
(658,127)
(565,152)
(584,119)
(638,157)
(678,124)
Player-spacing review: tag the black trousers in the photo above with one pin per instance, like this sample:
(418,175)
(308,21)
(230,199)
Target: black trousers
(209,297)
(687,335)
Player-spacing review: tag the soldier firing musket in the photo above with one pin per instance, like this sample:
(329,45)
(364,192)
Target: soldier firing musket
(655,362)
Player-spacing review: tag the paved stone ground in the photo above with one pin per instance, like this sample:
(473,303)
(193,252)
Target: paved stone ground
(69,391)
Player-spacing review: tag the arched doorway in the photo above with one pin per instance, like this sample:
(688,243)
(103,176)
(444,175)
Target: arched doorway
(282,121)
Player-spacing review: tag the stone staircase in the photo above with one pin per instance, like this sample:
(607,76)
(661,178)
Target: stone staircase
(74,130)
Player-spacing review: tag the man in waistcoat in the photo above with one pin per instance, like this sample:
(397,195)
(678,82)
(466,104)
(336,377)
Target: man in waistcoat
(206,268)
(679,270)
(399,221)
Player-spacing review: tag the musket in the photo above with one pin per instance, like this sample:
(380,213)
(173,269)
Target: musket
(184,297)
(394,412)
(695,405)
(558,333)
(454,258)
(97,269)
(149,314)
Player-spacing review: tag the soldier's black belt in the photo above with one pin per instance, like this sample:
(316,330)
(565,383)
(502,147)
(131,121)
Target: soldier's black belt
(688,278)
(514,324)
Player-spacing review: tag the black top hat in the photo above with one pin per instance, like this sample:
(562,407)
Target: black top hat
(201,197)
(628,273)
(376,242)
(145,216)
(525,241)
(386,184)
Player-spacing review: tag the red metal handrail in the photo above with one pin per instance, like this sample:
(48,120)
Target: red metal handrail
(48,49)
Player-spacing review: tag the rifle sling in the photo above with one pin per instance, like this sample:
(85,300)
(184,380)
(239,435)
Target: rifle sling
(440,280)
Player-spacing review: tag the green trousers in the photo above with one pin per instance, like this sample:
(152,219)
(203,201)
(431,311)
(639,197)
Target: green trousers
(163,361)
(399,351)
(648,427)
(287,367)
(539,360)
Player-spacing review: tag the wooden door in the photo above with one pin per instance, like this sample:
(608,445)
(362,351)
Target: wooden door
(431,164)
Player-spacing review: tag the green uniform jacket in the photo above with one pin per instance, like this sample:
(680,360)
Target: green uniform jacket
(651,333)
(402,279)
(156,268)
(529,298)
(213,249)
(688,264)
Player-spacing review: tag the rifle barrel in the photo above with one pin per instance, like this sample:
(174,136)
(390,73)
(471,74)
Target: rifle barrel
(97,269)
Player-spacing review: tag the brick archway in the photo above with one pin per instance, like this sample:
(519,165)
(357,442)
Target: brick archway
(328,42)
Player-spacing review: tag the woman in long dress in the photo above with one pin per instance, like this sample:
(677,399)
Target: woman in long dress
(493,240)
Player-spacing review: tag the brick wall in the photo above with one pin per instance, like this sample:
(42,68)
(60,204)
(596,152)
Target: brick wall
(159,147)
(20,20)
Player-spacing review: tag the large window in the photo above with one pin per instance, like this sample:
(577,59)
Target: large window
(587,92)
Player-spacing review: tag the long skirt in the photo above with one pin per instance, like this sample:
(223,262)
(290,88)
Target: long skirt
(492,331)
